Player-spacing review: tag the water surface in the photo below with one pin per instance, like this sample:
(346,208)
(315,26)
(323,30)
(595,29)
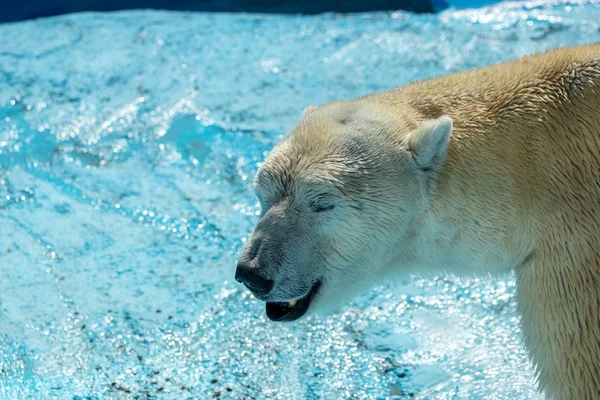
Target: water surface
(128,142)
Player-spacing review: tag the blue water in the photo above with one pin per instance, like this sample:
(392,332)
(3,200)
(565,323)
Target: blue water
(128,142)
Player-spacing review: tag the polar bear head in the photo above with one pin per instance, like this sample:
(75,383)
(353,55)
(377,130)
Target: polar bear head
(341,198)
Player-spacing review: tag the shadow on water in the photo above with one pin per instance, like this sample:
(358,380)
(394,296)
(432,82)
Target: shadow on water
(44,8)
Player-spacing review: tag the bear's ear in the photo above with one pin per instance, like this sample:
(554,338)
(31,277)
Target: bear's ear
(309,108)
(429,143)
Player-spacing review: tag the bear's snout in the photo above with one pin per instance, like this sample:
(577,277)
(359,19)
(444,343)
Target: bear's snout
(250,277)
(252,268)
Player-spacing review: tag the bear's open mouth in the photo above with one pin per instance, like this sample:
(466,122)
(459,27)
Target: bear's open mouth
(292,310)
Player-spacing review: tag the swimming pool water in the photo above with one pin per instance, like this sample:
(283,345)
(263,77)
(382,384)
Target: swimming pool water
(128,142)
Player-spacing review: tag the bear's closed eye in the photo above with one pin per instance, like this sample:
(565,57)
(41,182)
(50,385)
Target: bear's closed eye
(322,207)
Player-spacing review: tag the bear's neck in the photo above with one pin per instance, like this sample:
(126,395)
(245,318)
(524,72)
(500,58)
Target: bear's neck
(509,122)
(478,219)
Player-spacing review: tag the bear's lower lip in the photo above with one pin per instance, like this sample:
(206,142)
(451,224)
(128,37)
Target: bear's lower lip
(283,311)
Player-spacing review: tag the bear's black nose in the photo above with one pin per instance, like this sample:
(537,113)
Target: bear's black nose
(257,284)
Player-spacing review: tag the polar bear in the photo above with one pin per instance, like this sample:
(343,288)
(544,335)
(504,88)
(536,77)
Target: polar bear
(474,173)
